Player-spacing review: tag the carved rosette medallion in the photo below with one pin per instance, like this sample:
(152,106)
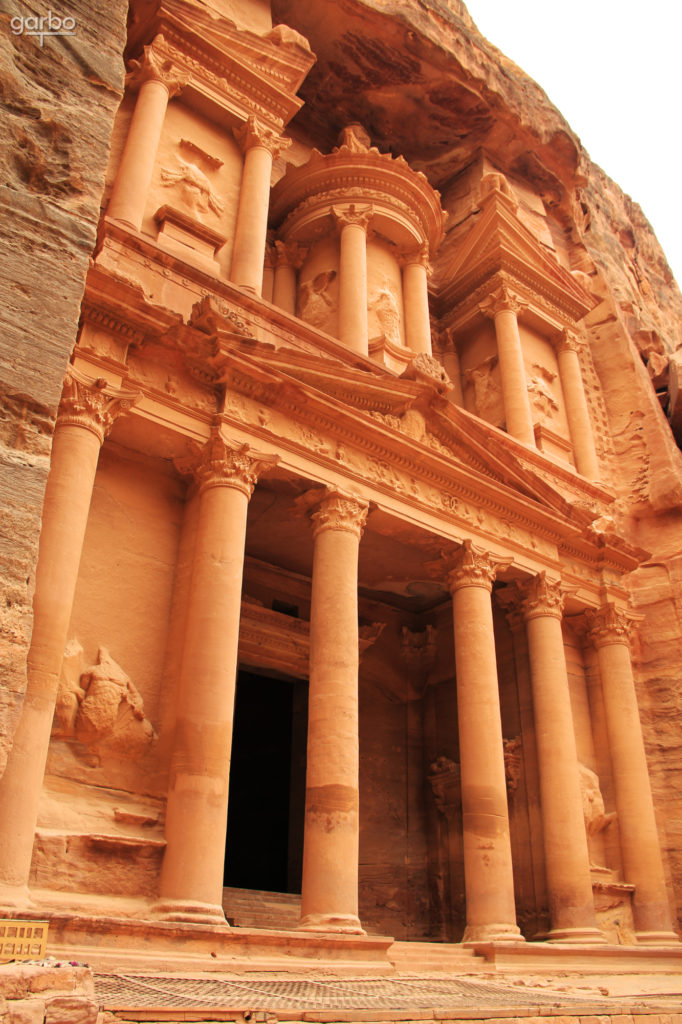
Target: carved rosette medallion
(155,65)
(500,301)
(472,567)
(543,598)
(253,133)
(352,215)
(92,404)
(340,511)
(609,625)
(222,463)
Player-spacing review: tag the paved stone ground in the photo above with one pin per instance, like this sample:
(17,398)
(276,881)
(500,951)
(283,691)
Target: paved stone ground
(118,991)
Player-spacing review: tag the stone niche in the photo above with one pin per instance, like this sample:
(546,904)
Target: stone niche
(396,224)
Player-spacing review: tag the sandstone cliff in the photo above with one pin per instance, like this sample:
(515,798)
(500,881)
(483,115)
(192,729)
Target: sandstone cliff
(52,158)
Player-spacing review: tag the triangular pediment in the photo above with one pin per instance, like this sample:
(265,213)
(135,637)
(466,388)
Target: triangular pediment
(500,243)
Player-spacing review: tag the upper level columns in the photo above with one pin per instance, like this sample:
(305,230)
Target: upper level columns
(329,900)
(196,817)
(569,885)
(352,226)
(577,414)
(640,847)
(504,308)
(415,266)
(260,145)
(86,413)
(158,81)
(489,882)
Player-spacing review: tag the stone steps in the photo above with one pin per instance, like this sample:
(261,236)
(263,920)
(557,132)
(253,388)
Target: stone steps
(419,957)
(254,908)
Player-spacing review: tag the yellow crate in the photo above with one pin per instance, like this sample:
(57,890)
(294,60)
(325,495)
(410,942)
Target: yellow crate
(22,940)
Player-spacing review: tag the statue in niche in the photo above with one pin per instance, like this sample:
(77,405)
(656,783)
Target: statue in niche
(314,303)
(512,763)
(385,308)
(100,707)
(594,811)
(540,392)
(488,402)
(195,188)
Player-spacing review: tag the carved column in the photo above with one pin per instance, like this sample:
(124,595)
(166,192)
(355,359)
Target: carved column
(289,258)
(353,325)
(329,900)
(504,308)
(415,266)
(577,413)
(196,816)
(567,862)
(640,846)
(86,413)
(260,145)
(158,80)
(489,882)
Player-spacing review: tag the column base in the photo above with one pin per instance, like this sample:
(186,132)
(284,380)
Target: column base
(475,933)
(344,924)
(15,897)
(580,936)
(658,938)
(191,912)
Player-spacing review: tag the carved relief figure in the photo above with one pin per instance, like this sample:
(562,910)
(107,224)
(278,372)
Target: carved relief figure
(385,308)
(512,763)
(315,305)
(195,188)
(540,392)
(488,402)
(593,802)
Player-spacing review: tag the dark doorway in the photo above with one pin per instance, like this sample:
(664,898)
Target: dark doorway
(267,784)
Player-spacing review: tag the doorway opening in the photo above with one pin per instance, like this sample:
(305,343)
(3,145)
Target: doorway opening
(267,784)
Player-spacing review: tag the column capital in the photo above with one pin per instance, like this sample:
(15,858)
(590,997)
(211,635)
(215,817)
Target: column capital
(609,625)
(340,511)
(500,301)
(156,65)
(289,254)
(225,463)
(92,404)
(254,134)
(543,597)
(566,341)
(360,215)
(472,567)
(417,256)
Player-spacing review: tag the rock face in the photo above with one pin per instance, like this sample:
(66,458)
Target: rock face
(52,159)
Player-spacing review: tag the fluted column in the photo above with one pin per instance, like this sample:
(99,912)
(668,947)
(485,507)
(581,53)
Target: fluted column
(415,266)
(260,145)
(289,258)
(196,815)
(329,900)
(488,875)
(642,862)
(504,308)
(158,81)
(86,413)
(353,323)
(577,414)
(567,862)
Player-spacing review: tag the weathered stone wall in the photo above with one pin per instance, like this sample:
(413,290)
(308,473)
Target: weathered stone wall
(52,159)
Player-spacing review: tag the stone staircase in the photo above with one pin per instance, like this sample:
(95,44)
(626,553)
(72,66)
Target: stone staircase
(254,908)
(434,957)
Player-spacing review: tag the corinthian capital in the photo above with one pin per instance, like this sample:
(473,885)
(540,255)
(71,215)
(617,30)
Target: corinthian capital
(501,300)
(92,404)
(224,463)
(360,215)
(472,567)
(566,341)
(609,625)
(543,598)
(417,256)
(254,133)
(290,254)
(339,511)
(156,65)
